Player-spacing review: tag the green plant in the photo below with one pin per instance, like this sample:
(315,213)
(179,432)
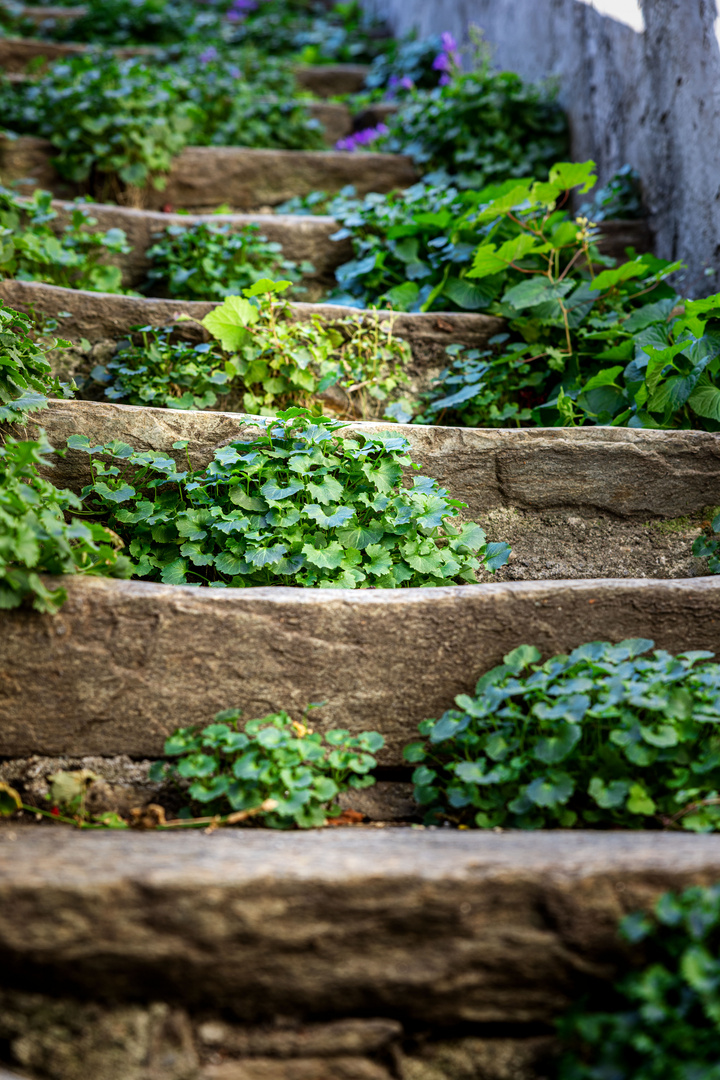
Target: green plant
(35,536)
(135,127)
(604,737)
(665,1024)
(483,126)
(621,198)
(25,373)
(295,505)
(275,759)
(707,547)
(31,250)
(312,33)
(210,261)
(284,361)
(131,22)
(143,115)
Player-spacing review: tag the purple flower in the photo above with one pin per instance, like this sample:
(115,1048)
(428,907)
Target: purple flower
(441,62)
(361,138)
(444,80)
(449,43)
(406,83)
(393,81)
(235,72)
(209,55)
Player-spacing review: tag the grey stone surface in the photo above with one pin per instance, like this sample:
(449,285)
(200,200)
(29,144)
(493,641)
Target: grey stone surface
(637,78)
(437,927)
(203,176)
(99,316)
(125,663)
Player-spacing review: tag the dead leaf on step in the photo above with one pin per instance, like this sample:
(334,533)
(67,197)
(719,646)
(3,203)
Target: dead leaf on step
(9,800)
(348,817)
(147,817)
(443,324)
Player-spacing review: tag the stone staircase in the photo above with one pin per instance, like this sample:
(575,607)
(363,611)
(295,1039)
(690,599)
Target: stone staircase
(386,951)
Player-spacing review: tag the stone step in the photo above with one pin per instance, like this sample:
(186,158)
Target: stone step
(16,53)
(206,176)
(302,236)
(103,316)
(41,14)
(418,926)
(125,663)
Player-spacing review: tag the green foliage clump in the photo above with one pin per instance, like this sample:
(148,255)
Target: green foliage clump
(410,248)
(35,536)
(209,261)
(143,115)
(707,547)
(297,505)
(666,1021)
(282,361)
(136,125)
(31,250)
(270,361)
(25,373)
(310,32)
(277,766)
(133,22)
(163,373)
(604,737)
(482,126)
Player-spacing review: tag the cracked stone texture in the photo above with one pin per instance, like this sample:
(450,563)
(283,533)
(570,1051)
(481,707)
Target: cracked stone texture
(102,316)
(482,1059)
(203,176)
(430,926)
(302,237)
(125,663)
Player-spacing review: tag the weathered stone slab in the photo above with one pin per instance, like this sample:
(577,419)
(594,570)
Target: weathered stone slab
(433,926)
(41,14)
(301,236)
(203,176)
(16,53)
(99,316)
(631,473)
(327,80)
(125,663)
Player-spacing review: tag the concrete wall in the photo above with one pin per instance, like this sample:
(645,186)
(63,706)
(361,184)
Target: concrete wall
(640,80)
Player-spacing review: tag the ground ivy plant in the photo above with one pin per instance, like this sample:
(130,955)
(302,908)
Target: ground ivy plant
(665,1020)
(209,261)
(274,761)
(296,505)
(32,250)
(609,736)
(37,534)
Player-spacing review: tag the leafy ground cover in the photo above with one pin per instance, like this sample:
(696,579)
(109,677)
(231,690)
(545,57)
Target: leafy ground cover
(144,114)
(209,261)
(265,360)
(37,532)
(606,737)
(297,505)
(277,763)
(30,249)
(664,1021)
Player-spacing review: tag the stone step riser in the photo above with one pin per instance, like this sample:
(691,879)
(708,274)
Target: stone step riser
(124,663)
(302,237)
(207,176)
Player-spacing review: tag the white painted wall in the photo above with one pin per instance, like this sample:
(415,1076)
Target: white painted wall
(640,80)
